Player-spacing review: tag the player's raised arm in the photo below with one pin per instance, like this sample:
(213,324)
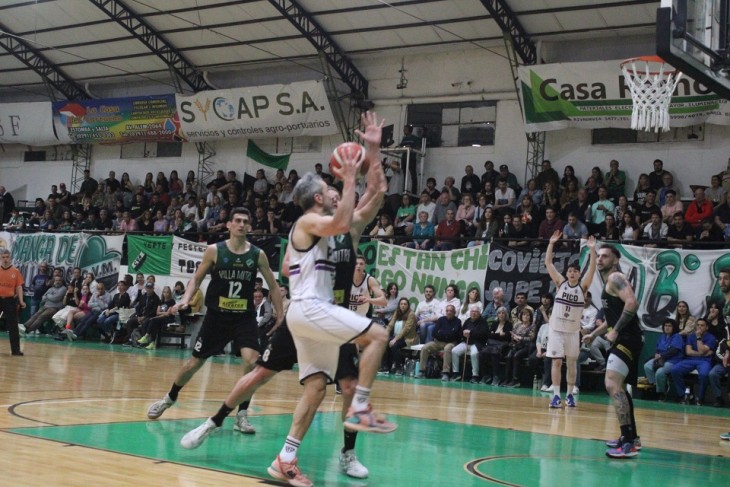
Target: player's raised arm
(588,278)
(556,277)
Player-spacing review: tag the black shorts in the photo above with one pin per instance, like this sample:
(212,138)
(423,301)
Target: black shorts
(629,351)
(220,328)
(347,365)
(280,353)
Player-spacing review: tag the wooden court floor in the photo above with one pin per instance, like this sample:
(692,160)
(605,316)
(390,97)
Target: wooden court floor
(74,415)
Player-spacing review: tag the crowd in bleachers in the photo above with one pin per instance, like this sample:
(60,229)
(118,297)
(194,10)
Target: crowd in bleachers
(479,209)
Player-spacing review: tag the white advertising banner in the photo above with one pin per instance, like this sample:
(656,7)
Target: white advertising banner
(186,257)
(596,95)
(27,124)
(258,112)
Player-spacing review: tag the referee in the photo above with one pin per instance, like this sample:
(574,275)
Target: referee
(11,294)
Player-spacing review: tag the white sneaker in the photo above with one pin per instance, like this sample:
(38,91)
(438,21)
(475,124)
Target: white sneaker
(194,438)
(576,390)
(351,466)
(21,329)
(546,388)
(242,424)
(156,409)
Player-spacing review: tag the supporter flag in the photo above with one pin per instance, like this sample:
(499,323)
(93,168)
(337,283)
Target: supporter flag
(258,159)
(149,255)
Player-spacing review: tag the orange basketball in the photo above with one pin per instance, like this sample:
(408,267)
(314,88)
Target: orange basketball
(347,149)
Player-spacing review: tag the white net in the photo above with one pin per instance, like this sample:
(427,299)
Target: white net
(651,91)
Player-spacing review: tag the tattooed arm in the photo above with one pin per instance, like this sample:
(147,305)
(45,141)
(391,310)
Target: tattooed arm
(620,287)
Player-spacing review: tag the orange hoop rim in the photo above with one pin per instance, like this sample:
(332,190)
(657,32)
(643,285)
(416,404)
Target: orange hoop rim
(625,64)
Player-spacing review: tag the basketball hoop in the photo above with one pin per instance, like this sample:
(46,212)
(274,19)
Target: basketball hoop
(651,82)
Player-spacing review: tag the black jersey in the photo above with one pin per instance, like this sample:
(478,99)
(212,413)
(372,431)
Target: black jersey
(343,255)
(613,307)
(232,280)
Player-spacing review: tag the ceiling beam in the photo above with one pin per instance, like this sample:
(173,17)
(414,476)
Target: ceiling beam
(51,74)
(156,43)
(321,40)
(508,22)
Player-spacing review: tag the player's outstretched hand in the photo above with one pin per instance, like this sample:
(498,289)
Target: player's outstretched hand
(373,130)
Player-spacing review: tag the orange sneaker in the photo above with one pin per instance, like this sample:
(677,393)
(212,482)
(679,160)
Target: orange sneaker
(289,473)
(368,421)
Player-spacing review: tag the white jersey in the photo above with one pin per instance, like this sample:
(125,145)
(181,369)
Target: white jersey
(362,289)
(311,271)
(568,308)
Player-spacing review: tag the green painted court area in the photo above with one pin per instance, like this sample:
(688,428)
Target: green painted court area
(420,453)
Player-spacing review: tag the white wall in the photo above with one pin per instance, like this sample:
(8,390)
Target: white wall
(453,75)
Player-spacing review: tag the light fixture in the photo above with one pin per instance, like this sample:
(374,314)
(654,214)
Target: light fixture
(403,83)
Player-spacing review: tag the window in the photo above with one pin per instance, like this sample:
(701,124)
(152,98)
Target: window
(460,124)
(693,133)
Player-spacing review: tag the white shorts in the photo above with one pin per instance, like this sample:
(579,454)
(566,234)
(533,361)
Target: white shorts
(563,344)
(318,329)
(616,364)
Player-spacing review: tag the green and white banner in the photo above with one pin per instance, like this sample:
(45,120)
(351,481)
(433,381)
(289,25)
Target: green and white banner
(411,270)
(100,254)
(662,277)
(596,95)
(164,255)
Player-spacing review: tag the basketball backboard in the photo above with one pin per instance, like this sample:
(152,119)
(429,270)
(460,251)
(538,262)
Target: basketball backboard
(693,36)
